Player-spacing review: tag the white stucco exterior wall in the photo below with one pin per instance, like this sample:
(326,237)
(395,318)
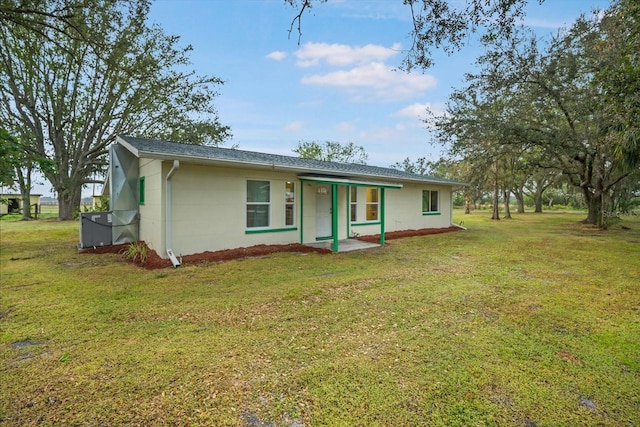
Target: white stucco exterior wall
(209,208)
(152,224)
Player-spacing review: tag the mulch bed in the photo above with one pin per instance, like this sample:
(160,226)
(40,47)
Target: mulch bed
(154,262)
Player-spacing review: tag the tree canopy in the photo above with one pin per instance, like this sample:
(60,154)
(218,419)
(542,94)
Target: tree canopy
(332,151)
(536,107)
(75,74)
(442,24)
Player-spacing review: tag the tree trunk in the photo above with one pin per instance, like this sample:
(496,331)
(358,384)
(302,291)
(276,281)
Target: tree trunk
(496,197)
(520,200)
(507,209)
(593,206)
(537,200)
(24,182)
(68,202)
(26,206)
(537,197)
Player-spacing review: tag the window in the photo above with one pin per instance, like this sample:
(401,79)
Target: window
(354,203)
(372,204)
(141,191)
(258,203)
(429,201)
(289,203)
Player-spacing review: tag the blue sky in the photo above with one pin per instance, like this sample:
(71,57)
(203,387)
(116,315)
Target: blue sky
(339,83)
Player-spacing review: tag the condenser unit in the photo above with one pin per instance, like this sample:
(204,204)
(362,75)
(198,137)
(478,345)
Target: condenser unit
(95,229)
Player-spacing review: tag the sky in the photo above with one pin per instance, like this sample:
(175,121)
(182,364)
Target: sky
(338,82)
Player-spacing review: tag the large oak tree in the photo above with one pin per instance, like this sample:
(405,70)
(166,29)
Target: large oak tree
(75,74)
(551,106)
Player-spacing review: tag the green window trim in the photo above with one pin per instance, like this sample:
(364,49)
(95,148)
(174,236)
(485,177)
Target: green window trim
(141,191)
(359,224)
(271,230)
(430,202)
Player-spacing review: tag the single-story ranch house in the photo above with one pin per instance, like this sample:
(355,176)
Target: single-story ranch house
(185,199)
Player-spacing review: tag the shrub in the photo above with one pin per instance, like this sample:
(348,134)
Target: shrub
(135,252)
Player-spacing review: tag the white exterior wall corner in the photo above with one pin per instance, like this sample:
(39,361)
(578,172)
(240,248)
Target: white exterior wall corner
(209,206)
(403,208)
(308,213)
(152,221)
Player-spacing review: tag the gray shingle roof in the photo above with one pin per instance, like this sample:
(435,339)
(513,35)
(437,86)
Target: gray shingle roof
(165,149)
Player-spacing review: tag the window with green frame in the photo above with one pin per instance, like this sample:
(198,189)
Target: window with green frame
(141,190)
(372,204)
(430,201)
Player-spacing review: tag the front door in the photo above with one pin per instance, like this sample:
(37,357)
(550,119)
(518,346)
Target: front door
(323,212)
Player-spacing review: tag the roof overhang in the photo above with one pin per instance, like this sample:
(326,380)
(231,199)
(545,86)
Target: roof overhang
(355,178)
(347,181)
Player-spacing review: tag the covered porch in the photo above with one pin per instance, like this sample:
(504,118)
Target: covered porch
(334,211)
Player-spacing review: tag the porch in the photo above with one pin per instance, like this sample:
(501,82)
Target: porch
(345,245)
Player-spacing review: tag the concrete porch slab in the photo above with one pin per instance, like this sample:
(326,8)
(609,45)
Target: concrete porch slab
(346,245)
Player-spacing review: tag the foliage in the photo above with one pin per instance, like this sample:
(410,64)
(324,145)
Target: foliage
(56,15)
(9,151)
(618,74)
(331,151)
(135,252)
(533,113)
(443,24)
(103,204)
(421,166)
(441,330)
(73,94)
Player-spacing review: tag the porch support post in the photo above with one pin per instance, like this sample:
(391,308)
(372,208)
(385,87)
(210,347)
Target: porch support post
(334,216)
(301,220)
(382,209)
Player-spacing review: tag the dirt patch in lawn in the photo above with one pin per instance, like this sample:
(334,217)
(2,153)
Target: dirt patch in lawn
(153,260)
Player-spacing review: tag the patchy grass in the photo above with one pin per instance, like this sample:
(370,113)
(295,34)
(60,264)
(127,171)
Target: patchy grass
(532,321)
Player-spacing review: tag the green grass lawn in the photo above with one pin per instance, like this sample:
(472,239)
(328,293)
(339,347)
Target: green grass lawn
(533,321)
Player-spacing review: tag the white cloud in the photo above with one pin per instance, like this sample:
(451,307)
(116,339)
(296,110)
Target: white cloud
(345,127)
(341,55)
(385,82)
(420,110)
(414,110)
(294,126)
(277,55)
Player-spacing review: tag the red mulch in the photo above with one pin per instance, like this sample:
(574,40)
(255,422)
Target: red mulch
(154,261)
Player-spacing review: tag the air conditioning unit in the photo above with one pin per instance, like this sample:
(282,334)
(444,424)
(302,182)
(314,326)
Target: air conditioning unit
(95,229)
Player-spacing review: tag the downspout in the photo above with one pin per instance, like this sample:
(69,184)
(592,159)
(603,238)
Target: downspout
(451,213)
(172,257)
